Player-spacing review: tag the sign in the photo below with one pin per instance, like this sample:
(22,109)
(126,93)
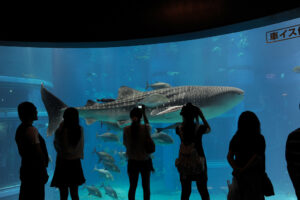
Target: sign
(283,34)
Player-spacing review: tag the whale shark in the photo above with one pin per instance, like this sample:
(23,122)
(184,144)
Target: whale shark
(162,105)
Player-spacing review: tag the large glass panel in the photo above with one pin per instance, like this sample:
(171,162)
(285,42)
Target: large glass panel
(267,73)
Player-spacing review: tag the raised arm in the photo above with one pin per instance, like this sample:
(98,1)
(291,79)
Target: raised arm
(144,114)
(200,113)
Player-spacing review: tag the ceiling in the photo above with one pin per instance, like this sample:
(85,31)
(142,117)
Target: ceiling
(118,23)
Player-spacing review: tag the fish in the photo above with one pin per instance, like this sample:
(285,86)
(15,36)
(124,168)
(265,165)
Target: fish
(172,73)
(224,187)
(172,126)
(213,101)
(103,156)
(162,138)
(92,190)
(270,76)
(158,85)
(122,155)
(108,137)
(92,74)
(240,54)
(104,173)
(113,126)
(105,100)
(296,69)
(216,49)
(110,191)
(111,166)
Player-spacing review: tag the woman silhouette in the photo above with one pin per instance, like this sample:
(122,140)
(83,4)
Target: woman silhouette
(191,162)
(69,143)
(247,157)
(135,137)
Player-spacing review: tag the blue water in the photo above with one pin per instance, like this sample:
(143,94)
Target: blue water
(243,60)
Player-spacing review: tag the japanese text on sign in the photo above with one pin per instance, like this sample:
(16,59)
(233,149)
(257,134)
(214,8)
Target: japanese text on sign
(283,34)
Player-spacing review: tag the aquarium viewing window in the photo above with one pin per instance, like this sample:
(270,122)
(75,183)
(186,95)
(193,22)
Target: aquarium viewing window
(254,69)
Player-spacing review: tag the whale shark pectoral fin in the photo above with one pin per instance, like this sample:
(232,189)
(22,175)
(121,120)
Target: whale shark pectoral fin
(171,109)
(121,123)
(89,121)
(90,103)
(154,100)
(155,111)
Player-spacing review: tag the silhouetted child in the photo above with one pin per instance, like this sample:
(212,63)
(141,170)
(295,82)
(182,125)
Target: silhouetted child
(292,155)
(69,143)
(135,138)
(247,157)
(34,155)
(191,162)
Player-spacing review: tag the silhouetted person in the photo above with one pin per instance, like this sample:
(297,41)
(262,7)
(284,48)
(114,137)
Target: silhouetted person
(34,155)
(139,161)
(292,155)
(69,143)
(247,157)
(191,162)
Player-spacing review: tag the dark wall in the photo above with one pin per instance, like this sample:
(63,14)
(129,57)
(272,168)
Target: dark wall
(115,21)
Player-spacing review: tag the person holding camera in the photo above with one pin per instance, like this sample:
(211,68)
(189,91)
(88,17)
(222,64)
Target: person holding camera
(139,146)
(191,163)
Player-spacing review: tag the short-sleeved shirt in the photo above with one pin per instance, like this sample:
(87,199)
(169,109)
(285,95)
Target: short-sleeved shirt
(292,150)
(244,148)
(135,147)
(197,139)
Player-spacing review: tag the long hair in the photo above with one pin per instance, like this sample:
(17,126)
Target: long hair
(135,126)
(71,123)
(189,113)
(248,124)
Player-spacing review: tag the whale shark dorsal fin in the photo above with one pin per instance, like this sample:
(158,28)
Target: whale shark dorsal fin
(125,92)
(90,103)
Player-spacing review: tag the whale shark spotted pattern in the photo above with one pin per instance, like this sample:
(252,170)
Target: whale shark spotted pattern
(164,107)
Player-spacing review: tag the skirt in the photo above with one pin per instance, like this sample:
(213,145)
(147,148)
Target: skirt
(67,173)
(201,176)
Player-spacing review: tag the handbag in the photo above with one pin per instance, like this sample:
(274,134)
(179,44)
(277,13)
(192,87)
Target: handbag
(268,189)
(233,190)
(149,145)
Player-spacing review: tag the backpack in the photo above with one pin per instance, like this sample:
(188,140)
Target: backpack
(189,162)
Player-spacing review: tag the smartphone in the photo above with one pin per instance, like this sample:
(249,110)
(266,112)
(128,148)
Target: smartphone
(140,107)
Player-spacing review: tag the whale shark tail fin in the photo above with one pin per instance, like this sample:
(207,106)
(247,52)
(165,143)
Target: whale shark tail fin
(54,107)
